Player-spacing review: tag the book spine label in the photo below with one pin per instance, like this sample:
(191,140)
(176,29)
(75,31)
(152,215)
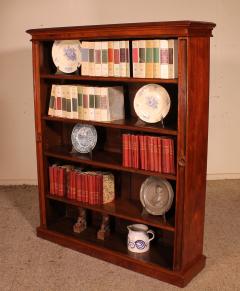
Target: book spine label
(156,62)
(91,103)
(135,58)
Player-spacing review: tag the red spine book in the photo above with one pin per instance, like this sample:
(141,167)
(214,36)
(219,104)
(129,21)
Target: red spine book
(90,189)
(151,152)
(171,156)
(85,188)
(55,178)
(124,150)
(146,158)
(51,180)
(61,172)
(100,188)
(79,187)
(129,150)
(159,154)
(137,151)
(70,181)
(74,188)
(133,151)
(155,154)
(141,152)
(165,156)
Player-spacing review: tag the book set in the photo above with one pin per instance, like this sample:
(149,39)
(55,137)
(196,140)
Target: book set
(87,102)
(144,87)
(92,187)
(150,153)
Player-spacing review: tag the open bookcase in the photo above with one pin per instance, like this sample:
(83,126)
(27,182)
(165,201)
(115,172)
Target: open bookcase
(176,254)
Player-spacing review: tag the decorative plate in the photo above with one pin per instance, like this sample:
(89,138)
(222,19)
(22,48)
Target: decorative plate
(156,195)
(84,138)
(152,103)
(66,55)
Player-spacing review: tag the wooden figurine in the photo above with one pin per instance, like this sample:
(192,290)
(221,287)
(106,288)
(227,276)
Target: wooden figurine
(104,231)
(81,223)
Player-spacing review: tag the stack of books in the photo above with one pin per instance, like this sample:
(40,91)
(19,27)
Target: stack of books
(83,186)
(155,58)
(87,103)
(150,153)
(105,58)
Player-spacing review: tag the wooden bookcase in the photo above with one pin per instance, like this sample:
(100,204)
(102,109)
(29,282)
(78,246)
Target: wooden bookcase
(176,255)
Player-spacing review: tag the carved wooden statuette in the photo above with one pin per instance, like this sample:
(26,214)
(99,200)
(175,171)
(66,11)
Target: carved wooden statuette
(104,230)
(81,223)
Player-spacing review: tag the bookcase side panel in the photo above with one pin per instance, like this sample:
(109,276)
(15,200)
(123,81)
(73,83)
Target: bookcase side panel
(196,149)
(39,130)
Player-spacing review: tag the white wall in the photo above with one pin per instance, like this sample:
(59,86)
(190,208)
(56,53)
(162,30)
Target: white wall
(17,141)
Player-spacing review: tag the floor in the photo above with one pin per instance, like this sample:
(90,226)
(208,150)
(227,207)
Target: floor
(32,264)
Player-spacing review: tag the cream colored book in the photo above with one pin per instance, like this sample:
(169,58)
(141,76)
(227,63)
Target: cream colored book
(135,58)
(127,58)
(80,101)
(64,101)
(52,101)
(164,59)
(110,59)
(122,65)
(85,58)
(104,58)
(156,63)
(74,101)
(67,93)
(149,59)
(98,59)
(116,59)
(104,104)
(91,103)
(173,58)
(108,187)
(85,103)
(58,101)
(97,93)
(142,59)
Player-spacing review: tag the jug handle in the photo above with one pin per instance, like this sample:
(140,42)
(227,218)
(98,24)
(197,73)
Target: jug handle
(152,233)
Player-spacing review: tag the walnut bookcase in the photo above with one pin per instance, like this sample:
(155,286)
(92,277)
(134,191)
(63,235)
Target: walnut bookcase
(176,254)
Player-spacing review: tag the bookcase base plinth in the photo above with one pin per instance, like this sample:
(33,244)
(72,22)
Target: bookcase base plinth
(180,279)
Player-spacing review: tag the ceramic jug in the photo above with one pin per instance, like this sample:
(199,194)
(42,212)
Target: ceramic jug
(138,238)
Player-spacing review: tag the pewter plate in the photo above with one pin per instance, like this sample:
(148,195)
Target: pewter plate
(156,195)
(66,55)
(152,103)
(84,138)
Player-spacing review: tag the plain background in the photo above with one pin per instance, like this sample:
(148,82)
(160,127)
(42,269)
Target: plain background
(17,140)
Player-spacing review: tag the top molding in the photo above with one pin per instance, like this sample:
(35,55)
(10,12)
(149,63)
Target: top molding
(126,30)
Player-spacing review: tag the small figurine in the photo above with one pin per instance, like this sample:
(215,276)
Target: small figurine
(81,223)
(104,231)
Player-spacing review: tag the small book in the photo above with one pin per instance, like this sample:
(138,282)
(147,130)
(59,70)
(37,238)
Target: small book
(149,59)
(98,59)
(51,110)
(58,101)
(164,59)
(173,58)
(74,101)
(142,58)
(91,62)
(156,62)
(135,58)
(80,101)
(110,59)
(97,93)
(116,58)
(85,103)
(85,58)
(108,187)
(127,58)
(122,65)
(67,94)
(104,52)
(91,109)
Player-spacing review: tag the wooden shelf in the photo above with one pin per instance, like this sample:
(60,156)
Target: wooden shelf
(128,124)
(103,159)
(126,209)
(160,254)
(107,79)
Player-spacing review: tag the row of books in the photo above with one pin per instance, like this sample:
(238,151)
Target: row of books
(83,186)
(151,153)
(105,58)
(87,103)
(157,58)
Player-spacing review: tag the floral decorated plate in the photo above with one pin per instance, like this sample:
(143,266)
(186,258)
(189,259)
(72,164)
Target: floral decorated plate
(66,55)
(152,103)
(84,138)
(156,195)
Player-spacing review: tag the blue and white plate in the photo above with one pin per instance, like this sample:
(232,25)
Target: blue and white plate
(152,103)
(66,55)
(84,138)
